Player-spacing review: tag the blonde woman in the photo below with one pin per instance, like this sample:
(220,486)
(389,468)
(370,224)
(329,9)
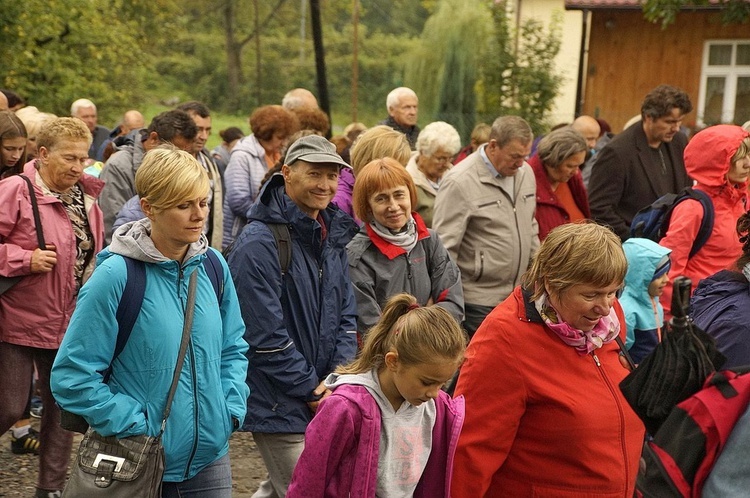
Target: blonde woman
(210,400)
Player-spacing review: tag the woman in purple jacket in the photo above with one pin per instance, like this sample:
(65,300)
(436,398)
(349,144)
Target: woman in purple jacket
(721,304)
(388,429)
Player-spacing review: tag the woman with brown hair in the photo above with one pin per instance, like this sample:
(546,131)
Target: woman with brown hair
(12,144)
(251,158)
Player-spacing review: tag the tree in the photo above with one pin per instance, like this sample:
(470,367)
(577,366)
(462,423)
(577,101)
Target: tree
(519,77)
(444,69)
(732,11)
(57,51)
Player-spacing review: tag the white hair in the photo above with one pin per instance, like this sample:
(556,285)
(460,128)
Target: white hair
(299,97)
(395,96)
(80,104)
(438,135)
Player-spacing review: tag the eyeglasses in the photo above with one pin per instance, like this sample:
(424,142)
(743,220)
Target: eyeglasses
(442,159)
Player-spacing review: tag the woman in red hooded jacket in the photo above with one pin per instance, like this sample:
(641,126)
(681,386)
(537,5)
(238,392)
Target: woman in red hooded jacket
(718,159)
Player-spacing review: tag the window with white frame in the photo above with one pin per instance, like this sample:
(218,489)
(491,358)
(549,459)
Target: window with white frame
(725,82)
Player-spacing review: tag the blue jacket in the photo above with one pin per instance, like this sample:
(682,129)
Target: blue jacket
(131,211)
(643,314)
(211,389)
(721,307)
(298,329)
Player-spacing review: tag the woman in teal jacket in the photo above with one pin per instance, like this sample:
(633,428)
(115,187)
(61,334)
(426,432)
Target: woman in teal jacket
(211,394)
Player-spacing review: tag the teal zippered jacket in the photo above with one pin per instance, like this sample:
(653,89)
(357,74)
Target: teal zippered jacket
(211,390)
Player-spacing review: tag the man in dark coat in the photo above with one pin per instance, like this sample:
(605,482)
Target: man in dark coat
(642,163)
(300,323)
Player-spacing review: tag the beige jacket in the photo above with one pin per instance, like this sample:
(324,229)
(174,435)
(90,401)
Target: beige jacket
(491,238)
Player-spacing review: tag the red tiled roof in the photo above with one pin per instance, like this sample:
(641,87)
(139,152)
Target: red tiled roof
(628,4)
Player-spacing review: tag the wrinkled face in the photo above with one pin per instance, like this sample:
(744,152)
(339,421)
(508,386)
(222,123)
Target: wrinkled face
(392,207)
(435,166)
(62,166)
(405,113)
(656,287)
(11,150)
(181,225)
(311,186)
(663,129)
(204,131)
(88,116)
(582,306)
(567,169)
(507,160)
(422,382)
(739,171)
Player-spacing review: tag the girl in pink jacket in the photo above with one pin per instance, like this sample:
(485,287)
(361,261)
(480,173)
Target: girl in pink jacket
(387,429)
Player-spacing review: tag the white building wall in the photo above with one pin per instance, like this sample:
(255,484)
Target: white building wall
(567,59)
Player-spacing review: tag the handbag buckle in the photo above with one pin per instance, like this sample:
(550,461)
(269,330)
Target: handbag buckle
(102,457)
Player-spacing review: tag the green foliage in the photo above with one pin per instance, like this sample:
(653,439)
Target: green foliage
(57,51)
(665,11)
(443,69)
(520,81)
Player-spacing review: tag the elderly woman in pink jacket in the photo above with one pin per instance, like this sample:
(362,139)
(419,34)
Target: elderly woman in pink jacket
(34,312)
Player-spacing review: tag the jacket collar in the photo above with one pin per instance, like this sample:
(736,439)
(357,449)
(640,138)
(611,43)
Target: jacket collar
(392,251)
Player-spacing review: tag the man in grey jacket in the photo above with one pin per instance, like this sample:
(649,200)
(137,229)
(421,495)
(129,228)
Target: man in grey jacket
(175,127)
(484,214)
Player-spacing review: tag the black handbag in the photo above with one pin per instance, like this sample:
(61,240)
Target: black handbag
(130,467)
(7,282)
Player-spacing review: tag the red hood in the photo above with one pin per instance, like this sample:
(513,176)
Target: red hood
(709,152)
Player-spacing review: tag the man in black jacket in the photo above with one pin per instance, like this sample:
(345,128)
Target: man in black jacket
(642,163)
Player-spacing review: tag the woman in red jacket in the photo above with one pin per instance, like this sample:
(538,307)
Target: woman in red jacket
(560,195)
(544,414)
(718,159)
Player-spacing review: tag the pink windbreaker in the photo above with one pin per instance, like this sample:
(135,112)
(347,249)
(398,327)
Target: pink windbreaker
(35,312)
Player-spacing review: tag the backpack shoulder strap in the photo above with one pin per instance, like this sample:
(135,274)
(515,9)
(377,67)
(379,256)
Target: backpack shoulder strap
(129,306)
(283,239)
(215,273)
(707,223)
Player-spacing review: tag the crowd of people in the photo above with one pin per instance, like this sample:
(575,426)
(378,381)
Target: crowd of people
(340,283)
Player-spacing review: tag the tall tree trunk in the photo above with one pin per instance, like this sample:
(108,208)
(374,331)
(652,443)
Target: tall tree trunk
(234,57)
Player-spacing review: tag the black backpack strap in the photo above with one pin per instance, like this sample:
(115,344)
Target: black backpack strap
(707,223)
(129,307)
(215,273)
(283,239)
(37,218)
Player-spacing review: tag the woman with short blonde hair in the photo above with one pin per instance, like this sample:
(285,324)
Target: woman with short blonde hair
(210,400)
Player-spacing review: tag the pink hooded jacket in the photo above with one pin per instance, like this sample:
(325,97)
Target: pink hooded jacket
(342,443)
(35,312)
(708,158)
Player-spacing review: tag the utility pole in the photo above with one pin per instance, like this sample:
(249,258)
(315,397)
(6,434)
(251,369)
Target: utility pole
(320,62)
(355,59)
(258,76)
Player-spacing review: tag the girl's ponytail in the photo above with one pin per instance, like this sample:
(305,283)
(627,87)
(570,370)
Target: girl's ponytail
(418,335)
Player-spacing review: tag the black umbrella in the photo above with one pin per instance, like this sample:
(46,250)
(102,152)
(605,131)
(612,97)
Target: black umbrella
(676,369)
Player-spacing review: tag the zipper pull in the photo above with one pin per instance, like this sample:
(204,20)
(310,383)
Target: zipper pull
(320,273)
(596,359)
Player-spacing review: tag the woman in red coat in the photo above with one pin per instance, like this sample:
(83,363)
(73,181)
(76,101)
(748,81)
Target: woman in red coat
(544,414)
(718,159)
(560,195)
